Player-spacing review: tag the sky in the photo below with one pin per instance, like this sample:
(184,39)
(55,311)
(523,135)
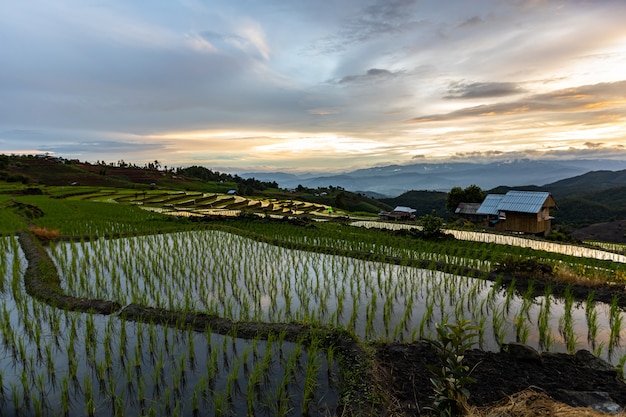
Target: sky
(310,85)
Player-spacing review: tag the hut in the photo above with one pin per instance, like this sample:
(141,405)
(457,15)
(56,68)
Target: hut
(519,211)
(467,211)
(399,213)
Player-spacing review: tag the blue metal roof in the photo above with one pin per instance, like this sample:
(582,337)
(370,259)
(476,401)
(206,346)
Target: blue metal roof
(490,204)
(404,209)
(518,201)
(523,201)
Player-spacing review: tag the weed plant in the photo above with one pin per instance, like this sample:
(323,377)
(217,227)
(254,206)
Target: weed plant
(451,376)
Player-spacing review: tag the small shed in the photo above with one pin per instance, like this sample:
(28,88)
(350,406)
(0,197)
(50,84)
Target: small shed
(399,213)
(467,211)
(519,211)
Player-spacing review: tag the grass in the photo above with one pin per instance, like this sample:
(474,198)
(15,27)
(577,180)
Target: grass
(87,218)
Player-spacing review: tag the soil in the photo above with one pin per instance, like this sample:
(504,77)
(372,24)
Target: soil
(498,375)
(605,232)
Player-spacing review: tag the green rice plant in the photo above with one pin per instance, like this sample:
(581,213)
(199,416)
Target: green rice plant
(310,378)
(543,321)
(591,316)
(481,331)
(522,329)
(620,367)
(510,292)
(615,322)
(566,325)
(498,324)
(90,408)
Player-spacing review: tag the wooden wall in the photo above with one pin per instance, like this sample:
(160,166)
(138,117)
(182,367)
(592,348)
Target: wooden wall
(525,222)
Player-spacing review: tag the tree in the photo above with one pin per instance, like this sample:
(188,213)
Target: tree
(474,194)
(455,196)
(431,226)
(340,200)
(471,194)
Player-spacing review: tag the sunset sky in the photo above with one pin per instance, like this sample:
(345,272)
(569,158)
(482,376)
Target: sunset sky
(312,85)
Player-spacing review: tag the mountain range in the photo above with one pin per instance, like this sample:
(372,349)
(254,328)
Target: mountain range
(394,180)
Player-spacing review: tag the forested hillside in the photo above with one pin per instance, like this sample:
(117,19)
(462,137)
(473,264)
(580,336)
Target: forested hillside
(595,197)
(424,202)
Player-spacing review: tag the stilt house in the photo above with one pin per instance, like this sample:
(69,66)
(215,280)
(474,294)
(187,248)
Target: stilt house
(519,211)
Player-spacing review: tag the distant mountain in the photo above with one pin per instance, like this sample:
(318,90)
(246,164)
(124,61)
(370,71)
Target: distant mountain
(594,197)
(393,180)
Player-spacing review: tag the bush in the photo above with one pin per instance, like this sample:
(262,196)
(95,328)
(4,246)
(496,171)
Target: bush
(519,266)
(431,226)
(452,377)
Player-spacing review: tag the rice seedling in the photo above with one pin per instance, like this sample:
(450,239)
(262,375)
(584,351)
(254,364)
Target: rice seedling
(566,325)
(615,323)
(498,324)
(620,366)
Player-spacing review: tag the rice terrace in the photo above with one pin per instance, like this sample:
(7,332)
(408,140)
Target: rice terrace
(155,298)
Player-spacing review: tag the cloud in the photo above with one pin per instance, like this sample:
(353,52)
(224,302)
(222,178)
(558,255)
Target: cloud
(587,151)
(585,98)
(371,75)
(382,18)
(322,112)
(250,40)
(75,72)
(463,90)
(20,133)
(108,147)
(472,21)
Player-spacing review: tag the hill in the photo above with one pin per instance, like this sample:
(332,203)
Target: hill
(424,202)
(46,170)
(585,199)
(594,197)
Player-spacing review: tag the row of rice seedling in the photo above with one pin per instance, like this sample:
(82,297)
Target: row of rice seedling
(236,277)
(454,253)
(610,246)
(514,241)
(54,362)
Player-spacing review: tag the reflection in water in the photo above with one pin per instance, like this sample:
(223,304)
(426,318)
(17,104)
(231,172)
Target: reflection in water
(243,279)
(55,362)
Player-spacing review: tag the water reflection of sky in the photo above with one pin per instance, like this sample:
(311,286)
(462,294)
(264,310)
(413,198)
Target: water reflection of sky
(247,280)
(50,357)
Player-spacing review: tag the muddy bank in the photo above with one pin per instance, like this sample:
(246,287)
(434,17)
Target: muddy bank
(42,281)
(498,375)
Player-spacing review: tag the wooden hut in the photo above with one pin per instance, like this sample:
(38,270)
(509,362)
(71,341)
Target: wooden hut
(519,211)
(468,211)
(399,213)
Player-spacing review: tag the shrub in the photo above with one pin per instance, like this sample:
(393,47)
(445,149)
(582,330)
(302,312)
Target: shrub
(431,226)
(524,267)
(452,377)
